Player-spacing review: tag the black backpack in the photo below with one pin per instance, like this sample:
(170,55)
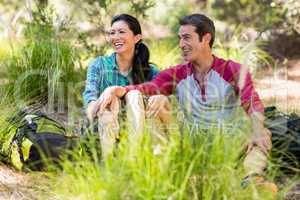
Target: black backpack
(285,130)
(35,141)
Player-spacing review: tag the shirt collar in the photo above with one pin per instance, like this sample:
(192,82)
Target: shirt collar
(115,65)
(113,59)
(215,59)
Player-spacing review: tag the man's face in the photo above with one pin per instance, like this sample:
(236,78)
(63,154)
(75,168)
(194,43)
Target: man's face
(190,44)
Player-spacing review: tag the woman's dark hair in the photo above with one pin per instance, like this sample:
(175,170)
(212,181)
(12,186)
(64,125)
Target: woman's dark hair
(140,64)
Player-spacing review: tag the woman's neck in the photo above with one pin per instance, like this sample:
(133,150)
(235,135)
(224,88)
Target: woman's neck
(124,61)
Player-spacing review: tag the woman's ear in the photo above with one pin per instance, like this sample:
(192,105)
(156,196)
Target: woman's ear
(137,38)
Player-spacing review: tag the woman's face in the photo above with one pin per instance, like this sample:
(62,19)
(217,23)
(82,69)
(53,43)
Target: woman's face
(122,38)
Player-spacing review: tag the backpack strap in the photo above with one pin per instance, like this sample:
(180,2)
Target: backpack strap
(30,118)
(17,119)
(18,138)
(20,135)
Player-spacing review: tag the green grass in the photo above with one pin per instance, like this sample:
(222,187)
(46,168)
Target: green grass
(206,166)
(43,67)
(40,69)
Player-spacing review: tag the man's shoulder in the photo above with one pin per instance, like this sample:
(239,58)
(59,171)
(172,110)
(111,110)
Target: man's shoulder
(231,62)
(221,64)
(182,67)
(179,71)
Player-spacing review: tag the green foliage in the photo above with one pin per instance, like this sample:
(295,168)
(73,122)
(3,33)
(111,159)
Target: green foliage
(140,7)
(165,52)
(259,14)
(239,47)
(292,15)
(44,66)
(172,11)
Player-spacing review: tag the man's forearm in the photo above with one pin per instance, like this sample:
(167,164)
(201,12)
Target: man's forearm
(260,135)
(257,121)
(119,91)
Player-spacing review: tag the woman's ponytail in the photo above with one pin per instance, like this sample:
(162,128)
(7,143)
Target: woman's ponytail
(140,66)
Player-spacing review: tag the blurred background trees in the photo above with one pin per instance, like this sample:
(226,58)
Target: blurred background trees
(88,20)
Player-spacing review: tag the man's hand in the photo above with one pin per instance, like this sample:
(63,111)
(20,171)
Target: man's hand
(261,136)
(157,104)
(262,139)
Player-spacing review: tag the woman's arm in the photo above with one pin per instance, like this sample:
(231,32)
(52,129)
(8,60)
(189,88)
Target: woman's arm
(92,84)
(164,83)
(92,87)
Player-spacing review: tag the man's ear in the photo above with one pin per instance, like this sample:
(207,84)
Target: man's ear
(137,38)
(207,38)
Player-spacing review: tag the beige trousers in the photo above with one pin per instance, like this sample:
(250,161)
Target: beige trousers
(109,128)
(255,161)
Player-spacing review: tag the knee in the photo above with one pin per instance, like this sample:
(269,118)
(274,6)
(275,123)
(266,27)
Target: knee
(160,102)
(159,98)
(107,117)
(134,102)
(134,98)
(133,94)
(161,106)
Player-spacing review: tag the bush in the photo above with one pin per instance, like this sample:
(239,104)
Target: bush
(45,66)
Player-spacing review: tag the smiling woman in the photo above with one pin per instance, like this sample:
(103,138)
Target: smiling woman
(129,64)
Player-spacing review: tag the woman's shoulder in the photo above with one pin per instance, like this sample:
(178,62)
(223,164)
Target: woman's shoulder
(101,60)
(154,70)
(95,62)
(153,67)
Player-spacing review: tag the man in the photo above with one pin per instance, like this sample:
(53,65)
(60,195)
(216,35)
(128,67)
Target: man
(207,89)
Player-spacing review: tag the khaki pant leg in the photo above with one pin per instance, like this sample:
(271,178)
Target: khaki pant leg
(255,161)
(159,125)
(135,111)
(108,128)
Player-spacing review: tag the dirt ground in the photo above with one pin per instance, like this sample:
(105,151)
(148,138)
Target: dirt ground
(294,193)
(14,185)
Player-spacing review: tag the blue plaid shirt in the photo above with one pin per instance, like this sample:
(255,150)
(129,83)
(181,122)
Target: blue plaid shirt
(103,72)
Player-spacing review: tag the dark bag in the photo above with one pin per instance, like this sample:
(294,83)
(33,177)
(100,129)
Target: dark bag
(33,140)
(285,130)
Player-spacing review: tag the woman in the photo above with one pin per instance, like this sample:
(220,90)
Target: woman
(129,64)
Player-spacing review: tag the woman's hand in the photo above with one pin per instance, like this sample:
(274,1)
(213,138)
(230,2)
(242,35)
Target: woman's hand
(107,97)
(90,110)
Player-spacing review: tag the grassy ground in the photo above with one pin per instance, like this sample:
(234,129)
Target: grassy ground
(205,166)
